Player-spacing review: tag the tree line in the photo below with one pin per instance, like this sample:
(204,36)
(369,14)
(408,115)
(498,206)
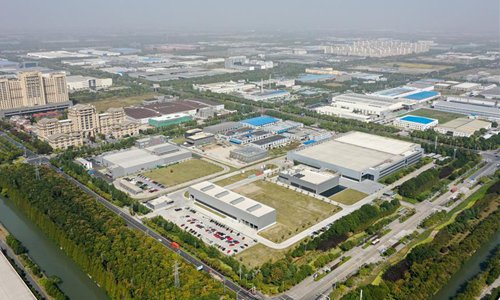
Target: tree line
(126,263)
(429,266)
(352,223)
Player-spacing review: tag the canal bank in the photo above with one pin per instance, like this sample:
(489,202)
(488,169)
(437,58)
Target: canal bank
(75,283)
(468,270)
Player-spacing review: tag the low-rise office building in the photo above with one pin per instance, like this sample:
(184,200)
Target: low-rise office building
(87,83)
(415,122)
(222,127)
(65,140)
(135,160)
(248,154)
(462,127)
(159,203)
(129,187)
(311,180)
(86,122)
(247,211)
(272,142)
(200,138)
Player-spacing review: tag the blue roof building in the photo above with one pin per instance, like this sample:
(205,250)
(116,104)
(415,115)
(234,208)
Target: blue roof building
(260,121)
(423,96)
(415,122)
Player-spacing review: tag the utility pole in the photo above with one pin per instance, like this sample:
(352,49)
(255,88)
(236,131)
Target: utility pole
(37,171)
(177,283)
(361,295)
(240,273)
(454,152)
(435,143)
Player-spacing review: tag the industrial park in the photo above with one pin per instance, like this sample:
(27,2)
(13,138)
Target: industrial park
(284,159)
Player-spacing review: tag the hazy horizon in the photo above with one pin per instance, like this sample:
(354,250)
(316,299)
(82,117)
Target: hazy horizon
(462,16)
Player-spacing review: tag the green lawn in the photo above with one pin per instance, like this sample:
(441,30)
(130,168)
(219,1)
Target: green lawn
(348,196)
(104,104)
(259,254)
(295,211)
(441,116)
(183,172)
(236,178)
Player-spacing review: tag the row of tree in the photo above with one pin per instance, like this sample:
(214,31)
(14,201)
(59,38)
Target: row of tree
(429,266)
(126,263)
(475,142)
(28,140)
(417,185)
(8,152)
(355,222)
(97,184)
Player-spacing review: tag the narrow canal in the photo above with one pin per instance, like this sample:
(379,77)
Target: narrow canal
(468,270)
(75,283)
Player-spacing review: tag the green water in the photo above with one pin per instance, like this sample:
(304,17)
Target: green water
(75,283)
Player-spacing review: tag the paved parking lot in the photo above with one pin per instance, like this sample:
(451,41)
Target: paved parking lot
(147,184)
(212,232)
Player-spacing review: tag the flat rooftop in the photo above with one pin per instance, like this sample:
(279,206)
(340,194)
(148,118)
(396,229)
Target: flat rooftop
(11,285)
(249,150)
(394,92)
(417,119)
(260,121)
(312,176)
(270,139)
(422,95)
(359,151)
(135,157)
(160,108)
(240,202)
(465,125)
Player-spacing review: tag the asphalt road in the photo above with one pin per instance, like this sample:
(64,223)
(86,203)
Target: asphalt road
(134,223)
(310,289)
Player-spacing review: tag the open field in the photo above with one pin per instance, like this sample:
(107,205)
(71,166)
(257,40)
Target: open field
(420,66)
(402,67)
(183,172)
(441,116)
(102,105)
(236,178)
(259,254)
(348,196)
(295,211)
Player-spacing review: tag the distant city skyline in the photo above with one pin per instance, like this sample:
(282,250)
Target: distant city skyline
(454,16)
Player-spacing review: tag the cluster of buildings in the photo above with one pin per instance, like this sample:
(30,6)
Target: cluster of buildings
(461,127)
(246,64)
(358,156)
(325,74)
(361,107)
(253,137)
(33,91)
(379,48)
(83,122)
(484,108)
(86,83)
(170,111)
(247,90)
